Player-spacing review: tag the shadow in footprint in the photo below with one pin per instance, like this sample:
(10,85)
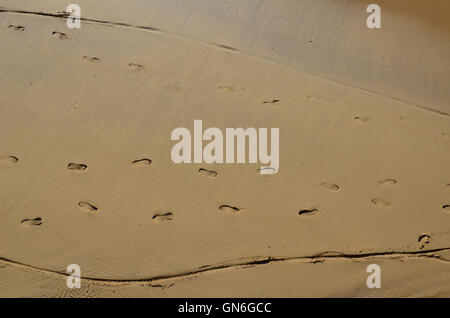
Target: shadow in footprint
(141,162)
(32,222)
(446,207)
(162,217)
(388,183)
(381,203)
(208,173)
(226,47)
(229,209)
(308,212)
(423,240)
(9,159)
(330,186)
(364,119)
(59,35)
(136,67)
(16,27)
(87,206)
(273,101)
(77,166)
(91,59)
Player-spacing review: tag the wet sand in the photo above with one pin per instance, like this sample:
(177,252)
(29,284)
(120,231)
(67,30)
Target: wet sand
(87,178)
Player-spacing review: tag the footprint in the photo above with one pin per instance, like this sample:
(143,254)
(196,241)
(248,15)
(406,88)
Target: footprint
(76,166)
(448,186)
(162,217)
(136,67)
(32,222)
(266,170)
(226,47)
(381,203)
(308,212)
(273,101)
(313,98)
(229,209)
(423,240)
(388,183)
(62,14)
(208,173)
(74,105)
(91,59)
(364,119)
(330,186)
(16,27)
(60,35)
(231,89)
(446,207)
(175,89)
(87,206)
(318,261)
(446,135)
(141,162)
(8,159)
(404,119)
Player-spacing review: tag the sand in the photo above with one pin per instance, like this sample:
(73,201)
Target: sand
(87,178)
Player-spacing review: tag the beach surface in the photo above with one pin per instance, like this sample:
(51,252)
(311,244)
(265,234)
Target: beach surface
(86,175)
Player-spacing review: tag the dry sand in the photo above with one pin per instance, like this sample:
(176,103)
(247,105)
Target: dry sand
(86,175)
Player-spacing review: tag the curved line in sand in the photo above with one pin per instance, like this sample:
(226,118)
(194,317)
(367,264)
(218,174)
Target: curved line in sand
(221,46)
(252,261)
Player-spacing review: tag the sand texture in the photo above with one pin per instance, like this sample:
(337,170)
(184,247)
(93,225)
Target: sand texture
(86,175)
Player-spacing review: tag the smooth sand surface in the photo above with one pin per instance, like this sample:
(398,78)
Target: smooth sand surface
(86,175)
